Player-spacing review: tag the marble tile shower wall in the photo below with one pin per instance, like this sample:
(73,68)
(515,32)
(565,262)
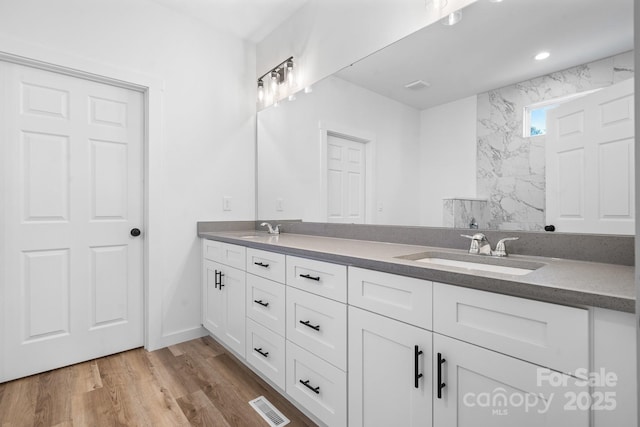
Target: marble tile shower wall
(462,213)
(510,167)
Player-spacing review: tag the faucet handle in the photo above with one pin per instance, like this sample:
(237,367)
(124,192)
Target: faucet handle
(478,241)
(478,236)
(501,248)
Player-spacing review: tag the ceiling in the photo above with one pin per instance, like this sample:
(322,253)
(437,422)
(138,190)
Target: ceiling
(248,19)
(493,46)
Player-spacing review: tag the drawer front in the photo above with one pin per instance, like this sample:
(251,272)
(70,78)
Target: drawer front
(402,298)
(546,334)
(321,278)
(266,352)
(224,253)
(318,386)
(266,303)
(318,325)
(266,264)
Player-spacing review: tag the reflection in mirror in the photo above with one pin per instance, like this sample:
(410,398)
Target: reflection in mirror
(431,130)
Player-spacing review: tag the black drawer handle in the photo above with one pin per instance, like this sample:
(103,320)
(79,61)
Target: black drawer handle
(264,304)
(316,390)
(263,353)
(416,355)
(307,276)
(260,264)
(308,323)
(441,385)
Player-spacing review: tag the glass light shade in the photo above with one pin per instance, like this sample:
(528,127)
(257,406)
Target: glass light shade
(260,90)
(453,18)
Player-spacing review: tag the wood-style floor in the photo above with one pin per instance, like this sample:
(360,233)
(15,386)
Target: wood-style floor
(195,383)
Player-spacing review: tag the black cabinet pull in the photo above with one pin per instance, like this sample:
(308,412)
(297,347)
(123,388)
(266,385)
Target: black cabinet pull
(220,275)
(264,304)
(263,353)
(218,279)
(308,323)
(260,264)
(307,276)
(416,355)
(316,390)
(441,385)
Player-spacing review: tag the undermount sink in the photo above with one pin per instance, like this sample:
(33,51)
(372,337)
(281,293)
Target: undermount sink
(475,262)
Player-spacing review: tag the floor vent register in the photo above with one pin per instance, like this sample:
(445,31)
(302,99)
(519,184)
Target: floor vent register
(267,411)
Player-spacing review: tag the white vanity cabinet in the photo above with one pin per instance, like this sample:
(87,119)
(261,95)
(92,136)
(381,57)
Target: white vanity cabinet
(473,386)
(266,308)
(390,378)
(498,360)
(223,293)
(317,338)
(352,346)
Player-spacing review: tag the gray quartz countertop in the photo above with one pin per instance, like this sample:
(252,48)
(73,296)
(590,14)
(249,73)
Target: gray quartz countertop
(561,281)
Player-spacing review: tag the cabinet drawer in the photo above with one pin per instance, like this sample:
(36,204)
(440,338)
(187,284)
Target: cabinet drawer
(266,352)
(318,386)
(266,264)
(321,278)
(319,325)
(224,253)
(266,303)
(546,334)
(403,298)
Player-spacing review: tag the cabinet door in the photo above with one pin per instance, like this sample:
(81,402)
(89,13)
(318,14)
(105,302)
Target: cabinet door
(212,302)
(223,311)
(385,388)
(233,294)
(483,388)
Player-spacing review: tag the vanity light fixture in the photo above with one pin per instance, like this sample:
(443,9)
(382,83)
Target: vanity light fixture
(260,90)
(281,75)
(453,18)
(542,55)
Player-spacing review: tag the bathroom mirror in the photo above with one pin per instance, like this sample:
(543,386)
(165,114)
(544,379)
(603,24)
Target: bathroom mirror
(430,131)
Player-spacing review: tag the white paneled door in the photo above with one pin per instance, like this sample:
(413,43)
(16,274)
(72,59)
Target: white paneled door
(72,184)
(345,180)
(590,156)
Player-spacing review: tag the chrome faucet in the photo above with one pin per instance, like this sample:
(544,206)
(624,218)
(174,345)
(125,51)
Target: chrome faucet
(271,229)
(481,246)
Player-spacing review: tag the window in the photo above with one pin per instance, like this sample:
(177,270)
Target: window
(535,115)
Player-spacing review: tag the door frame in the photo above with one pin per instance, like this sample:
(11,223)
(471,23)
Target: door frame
(368,139)
(36,56)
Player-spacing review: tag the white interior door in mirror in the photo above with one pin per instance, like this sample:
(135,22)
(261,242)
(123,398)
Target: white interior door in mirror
(72,183)
(590,163)
(345,180)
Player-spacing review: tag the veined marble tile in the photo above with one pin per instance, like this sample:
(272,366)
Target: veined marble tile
(510,167)
(461,213)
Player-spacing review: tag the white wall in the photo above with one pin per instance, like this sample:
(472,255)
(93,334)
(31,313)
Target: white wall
(447,156)
(290,152)
(203,128)
(327,35)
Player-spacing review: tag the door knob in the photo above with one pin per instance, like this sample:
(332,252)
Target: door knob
(135,232)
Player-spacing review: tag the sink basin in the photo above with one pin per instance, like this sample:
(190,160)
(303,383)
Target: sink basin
(475,262)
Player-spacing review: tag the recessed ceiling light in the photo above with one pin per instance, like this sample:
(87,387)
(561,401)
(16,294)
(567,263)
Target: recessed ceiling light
(495,1)
(542,55)
(416,85)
